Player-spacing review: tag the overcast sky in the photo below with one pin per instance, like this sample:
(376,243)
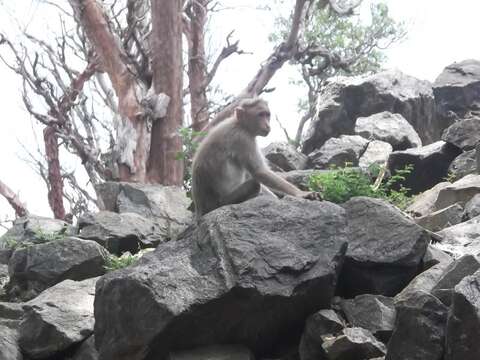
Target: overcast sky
(440,32)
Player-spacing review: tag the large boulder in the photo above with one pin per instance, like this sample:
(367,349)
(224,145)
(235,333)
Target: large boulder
(167,206)
(390,128)
(424,203)
(463,165)
(377,153)
(460,191)
(385,248)
(464,133)
(58,318)
(119,232)
(346,99)
(354,343)
(461,239)
(9,349)
(339,152)
(214,352)
(285,156)
(457,90)
(430,164)
(87,351)
(441,219)
(463,327)
(419,330)
(38,267)
(472,208)
(249,274)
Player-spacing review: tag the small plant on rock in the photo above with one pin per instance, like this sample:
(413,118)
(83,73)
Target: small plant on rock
(113,262)
(44,237)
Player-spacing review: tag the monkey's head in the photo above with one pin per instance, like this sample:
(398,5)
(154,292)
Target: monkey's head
(253,115)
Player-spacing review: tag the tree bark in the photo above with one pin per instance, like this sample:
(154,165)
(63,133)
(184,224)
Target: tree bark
(13,200)
(55,180)
(166,45)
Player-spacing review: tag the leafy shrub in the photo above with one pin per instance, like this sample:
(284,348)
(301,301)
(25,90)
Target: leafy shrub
(339,185)
(190,145)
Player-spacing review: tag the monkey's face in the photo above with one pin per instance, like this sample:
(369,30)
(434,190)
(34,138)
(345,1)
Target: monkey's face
(263,122)
(256,119)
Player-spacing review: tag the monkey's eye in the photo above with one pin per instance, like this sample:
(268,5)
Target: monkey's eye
(264,114)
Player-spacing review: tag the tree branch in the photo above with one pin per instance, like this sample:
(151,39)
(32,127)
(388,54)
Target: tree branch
(13,199)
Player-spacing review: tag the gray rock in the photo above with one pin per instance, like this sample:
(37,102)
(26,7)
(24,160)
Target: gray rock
(339,152)
(441,219)
(35,268)
(214,352)
(375,313)
(285,156)
(464,133)
(424,203)
(385,248)
(165,205)
(463,326)
(300,178)
(323,323)
(390,128)
(355,343)
(119,233)
(453,274)
(463,165)
(9,349)
(423,283)
(58,318)
(430,165)
(477,150)
(249,273)
(472,208)
(343,101)
(87,350)
(460,191)
(420,329)
(461,239)
(434,256)
(377,153)
(11,311)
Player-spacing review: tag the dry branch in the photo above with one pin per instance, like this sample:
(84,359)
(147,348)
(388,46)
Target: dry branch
(13,199)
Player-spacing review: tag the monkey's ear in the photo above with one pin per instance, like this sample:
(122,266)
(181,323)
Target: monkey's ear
(239,113)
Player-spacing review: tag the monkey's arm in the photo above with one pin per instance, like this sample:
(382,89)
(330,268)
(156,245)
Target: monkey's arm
(275,182)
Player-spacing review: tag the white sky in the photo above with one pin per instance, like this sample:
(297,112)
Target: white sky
(440,32)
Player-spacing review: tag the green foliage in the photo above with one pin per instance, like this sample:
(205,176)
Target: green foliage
(339,185)
(113,262)
(44,237)
(190,145)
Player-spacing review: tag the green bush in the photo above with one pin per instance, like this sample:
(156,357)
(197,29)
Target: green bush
(339,185)
(113,262)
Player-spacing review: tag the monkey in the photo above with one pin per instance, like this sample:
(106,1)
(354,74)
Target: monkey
(228,167)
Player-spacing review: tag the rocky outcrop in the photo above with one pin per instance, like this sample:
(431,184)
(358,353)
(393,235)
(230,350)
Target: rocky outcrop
(463,165)
(385,248)
(354,343)
(285,156)
(234,274)
(8,344)
(464,133)
(460,191)
(390,128)
(461,239)
(472,208)
(346,99)
(441,219)
(424,204)
(339,152)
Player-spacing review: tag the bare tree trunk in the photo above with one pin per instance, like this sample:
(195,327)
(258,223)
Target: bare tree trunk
(133,135)
(13,200)
(55,180)
(166,44)
(197,67)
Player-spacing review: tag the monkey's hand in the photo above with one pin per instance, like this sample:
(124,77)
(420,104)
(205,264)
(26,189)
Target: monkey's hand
(311,195)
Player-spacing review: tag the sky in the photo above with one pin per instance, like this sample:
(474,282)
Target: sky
(440,32)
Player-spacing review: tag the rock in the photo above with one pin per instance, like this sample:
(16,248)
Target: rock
(423,283)
(377,153)
(464,133)
(11,311)
(441,219)
(463,165)
(461,239)
(434,256)
(390,128)
(343,101)
(453,274)
(119,233)
(9,349)
(38,267)
(477,150)
(355,343)
(58,318)
(323,323)
(430,164)
(420,329)
(385,248)
(300,178)
(472,208)
(87,350)
(460,191)
(457,90)
(375,313)
(463,326)
(165,205)
(250,273)
(214,352)
(34,230)
(424,203)
(339,152)
(285,156)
